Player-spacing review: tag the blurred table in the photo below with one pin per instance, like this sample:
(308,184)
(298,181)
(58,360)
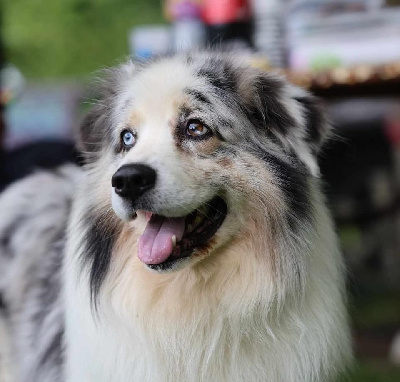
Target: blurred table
(357,81)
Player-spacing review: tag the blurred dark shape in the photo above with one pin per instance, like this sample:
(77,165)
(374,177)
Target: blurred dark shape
(360,168)
(228,23)
(44,155)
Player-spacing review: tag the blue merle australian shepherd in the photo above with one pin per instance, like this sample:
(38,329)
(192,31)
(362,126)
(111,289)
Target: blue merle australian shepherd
(195,244)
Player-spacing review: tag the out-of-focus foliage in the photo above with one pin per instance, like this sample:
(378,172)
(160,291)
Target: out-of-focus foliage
(62,38)
(367,372)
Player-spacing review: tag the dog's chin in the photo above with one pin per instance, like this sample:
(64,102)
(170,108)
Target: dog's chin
(194,234)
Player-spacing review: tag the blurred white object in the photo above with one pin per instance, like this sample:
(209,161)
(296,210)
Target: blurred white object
(188,34)
(12,83)
(269,30)
(394,354)
(344,39)
(188,30)
(43,111)
(149,41)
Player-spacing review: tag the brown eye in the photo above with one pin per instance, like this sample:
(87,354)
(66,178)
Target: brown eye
(196,129)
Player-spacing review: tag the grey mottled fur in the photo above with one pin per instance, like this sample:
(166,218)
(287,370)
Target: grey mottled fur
(32,227)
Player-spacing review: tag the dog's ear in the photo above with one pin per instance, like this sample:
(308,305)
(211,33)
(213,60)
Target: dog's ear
(292,115)
(89,138)
(97,124)
(313,129)
(315,122)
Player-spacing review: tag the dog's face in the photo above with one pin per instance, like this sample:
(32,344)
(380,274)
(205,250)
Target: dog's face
(197,146)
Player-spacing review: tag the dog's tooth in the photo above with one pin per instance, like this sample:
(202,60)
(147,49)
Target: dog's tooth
(173,241)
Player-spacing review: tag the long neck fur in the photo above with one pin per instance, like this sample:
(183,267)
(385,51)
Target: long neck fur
(264,308)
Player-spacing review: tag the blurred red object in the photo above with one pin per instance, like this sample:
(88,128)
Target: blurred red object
(392,128)
(182,9)
(225,11)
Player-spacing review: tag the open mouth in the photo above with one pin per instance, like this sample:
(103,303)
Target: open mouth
(166,241)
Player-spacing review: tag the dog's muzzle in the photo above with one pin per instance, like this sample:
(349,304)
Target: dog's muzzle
(133,180)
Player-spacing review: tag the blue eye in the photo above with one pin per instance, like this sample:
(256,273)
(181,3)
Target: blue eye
(128,138)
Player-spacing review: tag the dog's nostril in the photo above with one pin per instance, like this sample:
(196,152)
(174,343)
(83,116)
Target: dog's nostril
(117,182)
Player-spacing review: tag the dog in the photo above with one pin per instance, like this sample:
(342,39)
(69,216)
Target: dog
(199,246)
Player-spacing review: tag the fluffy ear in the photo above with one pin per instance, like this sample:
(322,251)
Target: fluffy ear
(313,128)
(316,125)
(292,115)
(91,131)
(98,122)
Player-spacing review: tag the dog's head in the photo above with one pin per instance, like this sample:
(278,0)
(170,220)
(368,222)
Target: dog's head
(196,147)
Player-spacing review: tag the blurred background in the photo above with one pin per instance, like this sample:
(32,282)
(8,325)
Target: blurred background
(346,52)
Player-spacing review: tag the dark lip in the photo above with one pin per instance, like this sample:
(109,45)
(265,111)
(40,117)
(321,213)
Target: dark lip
(199,237)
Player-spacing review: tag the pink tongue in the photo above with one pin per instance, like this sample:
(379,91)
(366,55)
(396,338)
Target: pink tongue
(155,243)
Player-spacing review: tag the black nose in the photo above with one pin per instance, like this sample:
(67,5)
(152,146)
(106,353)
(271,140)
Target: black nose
(133,180)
